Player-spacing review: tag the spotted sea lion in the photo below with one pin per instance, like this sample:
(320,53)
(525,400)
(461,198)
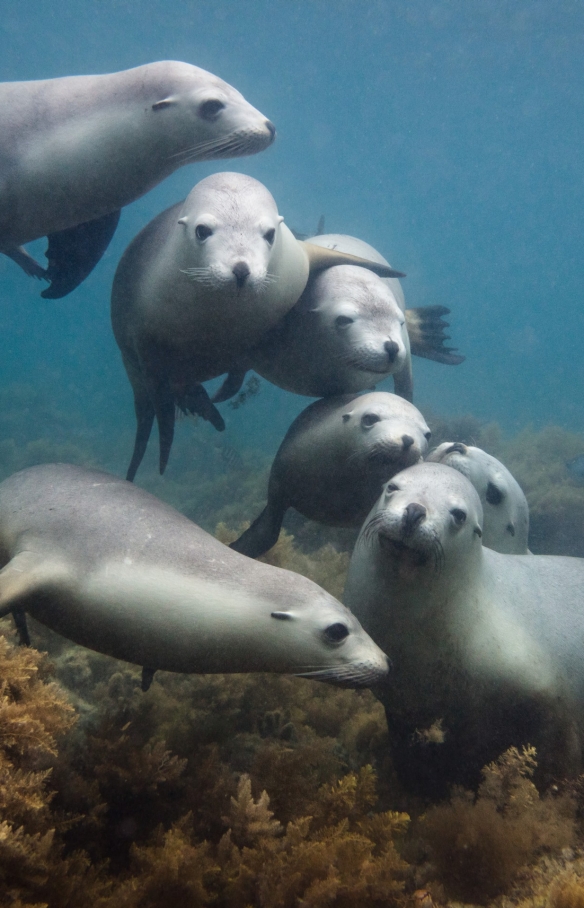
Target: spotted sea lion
(111,567)
(486,646)
(348,331)
(75,150)
(198,288)
(334,460)
(505,508)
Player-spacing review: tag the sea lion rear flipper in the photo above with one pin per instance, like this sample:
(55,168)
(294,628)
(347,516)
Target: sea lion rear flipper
(24,575)
(29,265)
(230,387)
(263,533)
(74,253)
(426,332)
(198,401)
(320,258)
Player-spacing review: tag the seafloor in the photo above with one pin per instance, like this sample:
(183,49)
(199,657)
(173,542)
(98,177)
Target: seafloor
(258,790)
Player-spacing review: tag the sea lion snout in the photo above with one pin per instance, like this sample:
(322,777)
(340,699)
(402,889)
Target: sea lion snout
(241,272)
(392,350)
(414,513)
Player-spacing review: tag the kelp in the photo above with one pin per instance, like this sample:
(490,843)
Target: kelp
(478,843)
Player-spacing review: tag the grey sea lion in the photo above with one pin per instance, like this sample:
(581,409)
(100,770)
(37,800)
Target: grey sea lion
(334,460)
(348,331)
(75,150)
(110,567)
(485,646)
(505,508)
(198,288)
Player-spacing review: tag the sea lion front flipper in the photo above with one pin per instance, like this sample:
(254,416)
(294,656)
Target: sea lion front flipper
(230,386)
(74,253)
(19,616)
(147,678)
(145,413)
(29,265)
(23,576)
(427,335)
(403,382)
(320,258)
(263,533)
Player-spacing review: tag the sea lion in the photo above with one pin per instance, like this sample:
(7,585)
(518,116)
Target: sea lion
(334,460)
(505,508)
(111,567)
(75,150)
(348,331)
(485,647)
(198,288)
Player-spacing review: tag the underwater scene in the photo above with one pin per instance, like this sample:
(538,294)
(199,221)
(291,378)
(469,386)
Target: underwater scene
(309,275)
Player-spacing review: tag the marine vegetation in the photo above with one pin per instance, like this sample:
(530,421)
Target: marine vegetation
(478,843)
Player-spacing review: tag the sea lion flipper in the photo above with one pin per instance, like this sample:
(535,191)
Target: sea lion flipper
(20,623)
(319,258)
(74,253)
(263,533)
(144,420)
(426,331)
(198,401)
(25,574)
(230,386)
(403,382)
(147,678)
(29,265)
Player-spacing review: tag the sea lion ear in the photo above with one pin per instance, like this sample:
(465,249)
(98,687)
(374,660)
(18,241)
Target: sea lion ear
(280,218)
(166,102)
(478,531)
(183,221)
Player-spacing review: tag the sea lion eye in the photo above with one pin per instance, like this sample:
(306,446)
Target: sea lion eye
(209,109)
(270,236)
(202,232)
(343,321)
(336,633)
(369,419)
(459,516)
(427,436)
(494,495)
(281,616)
(390,488)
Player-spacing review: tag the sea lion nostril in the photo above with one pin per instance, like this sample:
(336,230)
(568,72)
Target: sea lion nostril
(414,513)
(392,350)
(241,272)
(407,441)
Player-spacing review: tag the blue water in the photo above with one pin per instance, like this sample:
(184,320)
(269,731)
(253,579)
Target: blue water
(447,134)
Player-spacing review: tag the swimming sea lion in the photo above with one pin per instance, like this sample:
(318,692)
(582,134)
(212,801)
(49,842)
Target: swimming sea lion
(74,150)
(505,508)
(334,460)
(111,567)
(198,288)
(348,331)
(486,647)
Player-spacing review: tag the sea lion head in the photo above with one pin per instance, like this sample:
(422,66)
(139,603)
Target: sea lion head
(210,117)
(385,430)
(322,640)
(231,225)
(506,512)
(361,323)
(428,518)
